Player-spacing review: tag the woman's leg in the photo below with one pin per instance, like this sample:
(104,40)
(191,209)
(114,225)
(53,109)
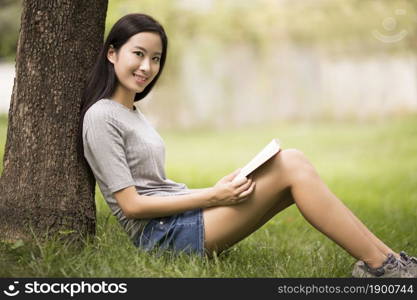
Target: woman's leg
(285,178)
(377,242)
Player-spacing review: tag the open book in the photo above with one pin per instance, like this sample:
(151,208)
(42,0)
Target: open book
(266,153)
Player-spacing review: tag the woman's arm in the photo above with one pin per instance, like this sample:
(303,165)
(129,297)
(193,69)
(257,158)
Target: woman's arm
(198,190)
(225,192)
(134,205)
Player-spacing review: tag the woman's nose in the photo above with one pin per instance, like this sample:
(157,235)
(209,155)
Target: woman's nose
(145,65)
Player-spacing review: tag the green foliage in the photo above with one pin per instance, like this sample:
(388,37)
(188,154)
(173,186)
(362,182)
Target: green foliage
(334,25)
(346,24)
(9,27)
(3,132)
(370,166)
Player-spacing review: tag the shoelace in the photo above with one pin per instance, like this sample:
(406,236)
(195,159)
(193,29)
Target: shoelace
(393,263)
(407,259)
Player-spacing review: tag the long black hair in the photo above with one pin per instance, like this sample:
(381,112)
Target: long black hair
(102,80)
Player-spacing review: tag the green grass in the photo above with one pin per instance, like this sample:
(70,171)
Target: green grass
(371,166)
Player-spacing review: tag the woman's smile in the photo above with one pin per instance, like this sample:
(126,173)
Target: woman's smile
(140,79)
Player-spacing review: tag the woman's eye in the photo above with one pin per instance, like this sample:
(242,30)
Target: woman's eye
(157,59)
(139,53)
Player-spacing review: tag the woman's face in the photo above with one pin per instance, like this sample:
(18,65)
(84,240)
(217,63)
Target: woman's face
(137,62)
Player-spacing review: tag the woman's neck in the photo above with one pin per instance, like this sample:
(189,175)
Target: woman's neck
(124,97)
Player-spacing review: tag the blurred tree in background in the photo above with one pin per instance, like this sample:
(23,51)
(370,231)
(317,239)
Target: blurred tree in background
(234,62)
(325,22)
(250,61)
(10,11)
(257,22)
(332,24)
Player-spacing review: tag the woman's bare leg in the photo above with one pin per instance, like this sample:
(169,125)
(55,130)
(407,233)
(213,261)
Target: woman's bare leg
(287,172)
(377,242)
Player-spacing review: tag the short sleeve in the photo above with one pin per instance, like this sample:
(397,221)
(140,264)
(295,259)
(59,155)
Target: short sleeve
(104,151)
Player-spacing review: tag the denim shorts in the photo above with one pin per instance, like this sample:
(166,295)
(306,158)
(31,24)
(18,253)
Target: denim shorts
(181,233)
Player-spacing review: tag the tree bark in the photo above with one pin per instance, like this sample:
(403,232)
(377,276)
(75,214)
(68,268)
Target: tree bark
(45,187)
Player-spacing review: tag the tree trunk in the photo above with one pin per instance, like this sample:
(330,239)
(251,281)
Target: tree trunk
(45,187)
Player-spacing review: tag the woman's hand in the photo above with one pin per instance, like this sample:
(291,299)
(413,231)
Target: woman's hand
(227,192)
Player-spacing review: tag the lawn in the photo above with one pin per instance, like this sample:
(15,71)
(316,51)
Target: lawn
(371,166)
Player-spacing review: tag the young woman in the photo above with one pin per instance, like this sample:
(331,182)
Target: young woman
(126,156)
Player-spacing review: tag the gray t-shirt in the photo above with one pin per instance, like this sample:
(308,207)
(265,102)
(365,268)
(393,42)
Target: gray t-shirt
(123,149)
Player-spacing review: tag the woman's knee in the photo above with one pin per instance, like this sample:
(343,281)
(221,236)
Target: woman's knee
(295,163)
(295,156)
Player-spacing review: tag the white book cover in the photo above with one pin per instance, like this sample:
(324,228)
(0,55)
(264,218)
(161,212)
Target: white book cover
(266,153)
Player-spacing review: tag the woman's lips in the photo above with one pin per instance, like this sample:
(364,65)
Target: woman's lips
(140,79)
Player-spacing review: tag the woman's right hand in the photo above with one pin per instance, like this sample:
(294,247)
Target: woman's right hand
(229,192)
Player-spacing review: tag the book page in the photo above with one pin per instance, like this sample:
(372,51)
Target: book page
(266,153)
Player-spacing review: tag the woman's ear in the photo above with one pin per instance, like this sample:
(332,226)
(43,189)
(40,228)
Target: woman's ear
(111,54)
